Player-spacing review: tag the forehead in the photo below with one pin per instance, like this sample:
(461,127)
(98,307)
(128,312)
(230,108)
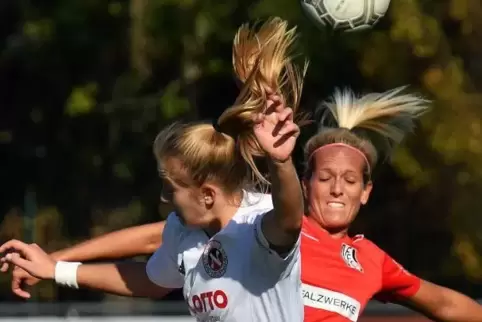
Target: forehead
(173,169)
(338,158)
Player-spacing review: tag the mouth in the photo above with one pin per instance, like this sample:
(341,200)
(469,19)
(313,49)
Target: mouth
(336,205)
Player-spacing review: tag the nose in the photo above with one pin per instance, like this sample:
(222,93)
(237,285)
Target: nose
(336,188)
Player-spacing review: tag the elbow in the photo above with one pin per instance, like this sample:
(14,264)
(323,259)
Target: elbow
(449,313)
(151,246)
(463,310)
(153,240)
(456,307)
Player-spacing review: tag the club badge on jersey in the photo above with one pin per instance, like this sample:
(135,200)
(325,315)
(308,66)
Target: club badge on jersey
(348,253)
(214,259)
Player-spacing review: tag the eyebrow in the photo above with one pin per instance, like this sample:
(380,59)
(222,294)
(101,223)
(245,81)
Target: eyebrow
(344,172)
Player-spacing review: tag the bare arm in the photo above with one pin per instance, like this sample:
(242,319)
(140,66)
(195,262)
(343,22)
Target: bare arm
(128,242)
(125,279)
(443,304)
(282,225)
(276,133)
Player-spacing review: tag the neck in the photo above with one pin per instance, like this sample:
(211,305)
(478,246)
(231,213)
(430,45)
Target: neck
(335,233)
(223,212)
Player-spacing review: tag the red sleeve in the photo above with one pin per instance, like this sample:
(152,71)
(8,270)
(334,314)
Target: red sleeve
(396,281)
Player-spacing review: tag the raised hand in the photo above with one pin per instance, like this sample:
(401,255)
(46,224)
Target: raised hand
(30,258)
(275,129)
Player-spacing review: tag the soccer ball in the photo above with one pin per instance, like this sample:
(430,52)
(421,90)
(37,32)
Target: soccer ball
(346,15)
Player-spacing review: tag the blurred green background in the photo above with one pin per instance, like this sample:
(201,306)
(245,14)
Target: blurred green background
(86,85)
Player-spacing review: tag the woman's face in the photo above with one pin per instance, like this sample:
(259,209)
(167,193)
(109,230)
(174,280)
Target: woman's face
(188,201)
(335,190)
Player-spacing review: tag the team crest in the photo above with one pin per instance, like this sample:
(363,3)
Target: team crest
(215,260)
(348,254)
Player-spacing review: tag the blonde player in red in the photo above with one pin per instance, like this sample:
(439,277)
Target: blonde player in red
(234,255)
(340,273)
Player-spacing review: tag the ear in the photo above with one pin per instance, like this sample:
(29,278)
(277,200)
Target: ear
(366,193)
(208,195)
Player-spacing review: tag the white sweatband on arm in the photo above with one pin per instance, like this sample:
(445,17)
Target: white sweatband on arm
(66,274)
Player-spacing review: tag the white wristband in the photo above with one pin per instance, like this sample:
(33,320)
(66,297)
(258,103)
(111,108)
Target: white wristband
(66,273)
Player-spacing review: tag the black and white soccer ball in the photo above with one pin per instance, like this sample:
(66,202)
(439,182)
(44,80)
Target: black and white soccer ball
(346,15)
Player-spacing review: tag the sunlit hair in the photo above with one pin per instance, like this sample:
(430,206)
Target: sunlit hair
(373,124)
(225,153)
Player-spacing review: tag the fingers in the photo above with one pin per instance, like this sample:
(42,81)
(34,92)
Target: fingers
(285,114)
(17,288)
(21,293)
(284,121)
(259,118)
(276,113)
(17,246)
(4,267)
(16,260)
(288,131)
(274,104)
(12,252)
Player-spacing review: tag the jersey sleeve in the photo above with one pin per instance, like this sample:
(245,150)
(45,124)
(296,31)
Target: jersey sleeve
(396,281)
(266,257)
(162,268)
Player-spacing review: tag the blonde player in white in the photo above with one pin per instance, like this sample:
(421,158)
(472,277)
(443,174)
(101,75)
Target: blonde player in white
(235,256)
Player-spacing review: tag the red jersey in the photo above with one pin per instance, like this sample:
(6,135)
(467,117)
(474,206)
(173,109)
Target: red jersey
(339,276)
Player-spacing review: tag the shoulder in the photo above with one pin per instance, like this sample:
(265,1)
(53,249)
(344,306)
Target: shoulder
(365,245)
(174,230)
(253,207)
(361,241)
(173,223)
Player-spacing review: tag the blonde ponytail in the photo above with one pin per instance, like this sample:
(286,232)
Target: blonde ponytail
(263,63)
(373,123)
(224,152)
(388,114)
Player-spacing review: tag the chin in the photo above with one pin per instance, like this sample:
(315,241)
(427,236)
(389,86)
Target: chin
(335,224)
(337,227)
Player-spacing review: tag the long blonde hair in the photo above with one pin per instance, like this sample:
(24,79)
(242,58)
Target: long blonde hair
(373,123)
(225,152)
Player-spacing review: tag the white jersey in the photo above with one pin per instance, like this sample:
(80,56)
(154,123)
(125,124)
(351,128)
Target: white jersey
(233,276)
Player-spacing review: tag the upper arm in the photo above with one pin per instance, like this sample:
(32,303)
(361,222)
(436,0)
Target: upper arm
(397,282)
(153,234)
(279,238)
(282,225)
(125,279)
(163,267)
(427,299)
(128,242)
(436,302)
(443,304)
(270,256)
